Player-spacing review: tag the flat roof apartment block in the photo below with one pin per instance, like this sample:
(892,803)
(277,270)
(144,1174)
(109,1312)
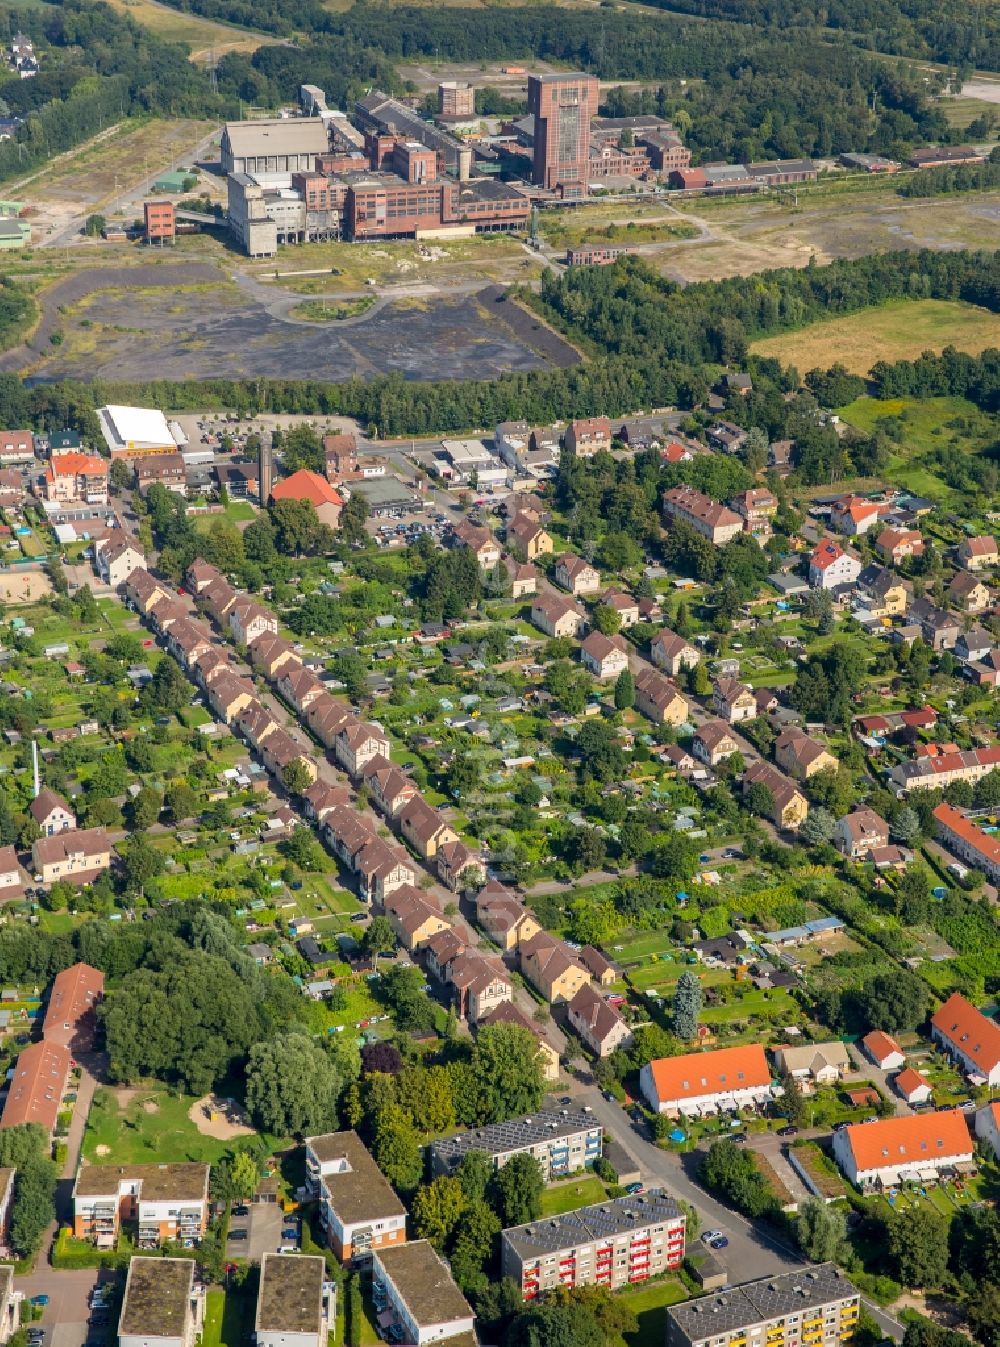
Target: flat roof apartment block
(562,1141)
(161,1201)
(295,1303)
(816,1305)
(358,1207)
(614,1244)
(163,1307)
(415,1297)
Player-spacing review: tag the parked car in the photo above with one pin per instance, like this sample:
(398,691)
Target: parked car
(238,1234)
(635,1188)
(788,1131)
(720,1243)
(739,1137)
(241,1210)
(709,1235)
(840,1126)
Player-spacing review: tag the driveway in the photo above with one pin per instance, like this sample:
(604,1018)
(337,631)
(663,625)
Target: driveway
(66,1314)
(752,1252)
(263,1226)
(868,1071)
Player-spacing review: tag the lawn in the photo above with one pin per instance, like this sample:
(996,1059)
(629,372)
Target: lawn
(144,1134)
(572,1193)
(202,36)
(900,330)
(236,512)
(928,425)
(649,1305)
(228,1318)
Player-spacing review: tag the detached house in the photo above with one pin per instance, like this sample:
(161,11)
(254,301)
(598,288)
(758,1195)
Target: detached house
(357,743)
(117,557)
(968,593)
(504,918)
(624,605)
(481,542)
(672,653)
(604,656)
(976,553)
(388,785)
(51,812)
(598,1022)
(659,700)
(413,918)
(424,828)
(523,578)
(860,832)
(577,575)
(854,515)
(882,592)
(550,967)
(896,543)
(789,806)
(801,756)
(557,617)
(528,536)
(733,701)
(480,984)
(713,743)
(77,855)
(830,567)
(299,687)
(588,437)
(884,1051)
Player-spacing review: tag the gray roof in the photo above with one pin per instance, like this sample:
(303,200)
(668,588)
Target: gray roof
(605,1220)
(759,1301)
(424,1283)
(360,1193)
(290,1297)
(518,1134)
(276,135)
(157,1298)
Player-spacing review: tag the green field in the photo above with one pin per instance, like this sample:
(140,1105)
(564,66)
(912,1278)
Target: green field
(571,1194)
(900,330)
(927,428)
(153,1128)
(649,1305)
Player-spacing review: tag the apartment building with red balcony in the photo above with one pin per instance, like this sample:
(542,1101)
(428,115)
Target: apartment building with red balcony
(614,1244)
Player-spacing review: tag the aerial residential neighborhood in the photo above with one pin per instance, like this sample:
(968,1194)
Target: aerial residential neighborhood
(499,659)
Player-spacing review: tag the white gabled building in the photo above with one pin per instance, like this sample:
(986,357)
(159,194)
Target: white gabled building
(891,1151)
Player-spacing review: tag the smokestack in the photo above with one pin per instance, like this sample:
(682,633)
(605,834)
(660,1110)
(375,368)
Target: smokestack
(34,768)
(265,469)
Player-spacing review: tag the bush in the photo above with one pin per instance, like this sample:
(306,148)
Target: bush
(605,1170)
(883,1290)
(355,1313)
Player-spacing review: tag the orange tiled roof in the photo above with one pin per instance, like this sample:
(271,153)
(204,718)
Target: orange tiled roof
(969,1031)
(306,485)
(930,1137)
(718,1072)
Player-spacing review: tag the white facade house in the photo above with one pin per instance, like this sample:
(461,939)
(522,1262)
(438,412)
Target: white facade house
(359,1210)
(296,1305)
(988,1126)
(970,1037)
(414,1289)
(163,1305)
(700,1083)
(891,1151)
(830,566)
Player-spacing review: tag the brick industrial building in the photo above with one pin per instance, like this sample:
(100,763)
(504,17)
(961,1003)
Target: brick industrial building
(563,107)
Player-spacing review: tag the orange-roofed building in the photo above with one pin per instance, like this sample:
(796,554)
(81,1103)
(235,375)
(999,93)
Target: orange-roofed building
(967,1034)
(37,1086)
(884,1051)
(898,1150)
(969,842)
(707,1082)
(69,1017)
(912,1086)
(77,477)
(310,486)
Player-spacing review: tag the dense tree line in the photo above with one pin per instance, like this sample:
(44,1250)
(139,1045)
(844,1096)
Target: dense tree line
(64,104)
(943,31)
(950,374)
(747,96)
(960,178)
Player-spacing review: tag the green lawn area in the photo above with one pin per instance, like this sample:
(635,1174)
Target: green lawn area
(572,1193)
(236,512)
(926,423)
(649,1305)
(900,330)
(153,1128)
(228,1318)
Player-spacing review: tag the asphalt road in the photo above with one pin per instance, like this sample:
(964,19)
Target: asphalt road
(752,1252)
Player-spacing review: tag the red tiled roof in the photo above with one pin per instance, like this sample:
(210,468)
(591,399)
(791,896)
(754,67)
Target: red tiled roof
(969,1031)
(880,1045)
(909,1080)
(929,1137)
(717,1072)
(37,1085)
(306,485)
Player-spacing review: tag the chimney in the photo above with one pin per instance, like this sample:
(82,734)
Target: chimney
(265,468)
(34,769)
